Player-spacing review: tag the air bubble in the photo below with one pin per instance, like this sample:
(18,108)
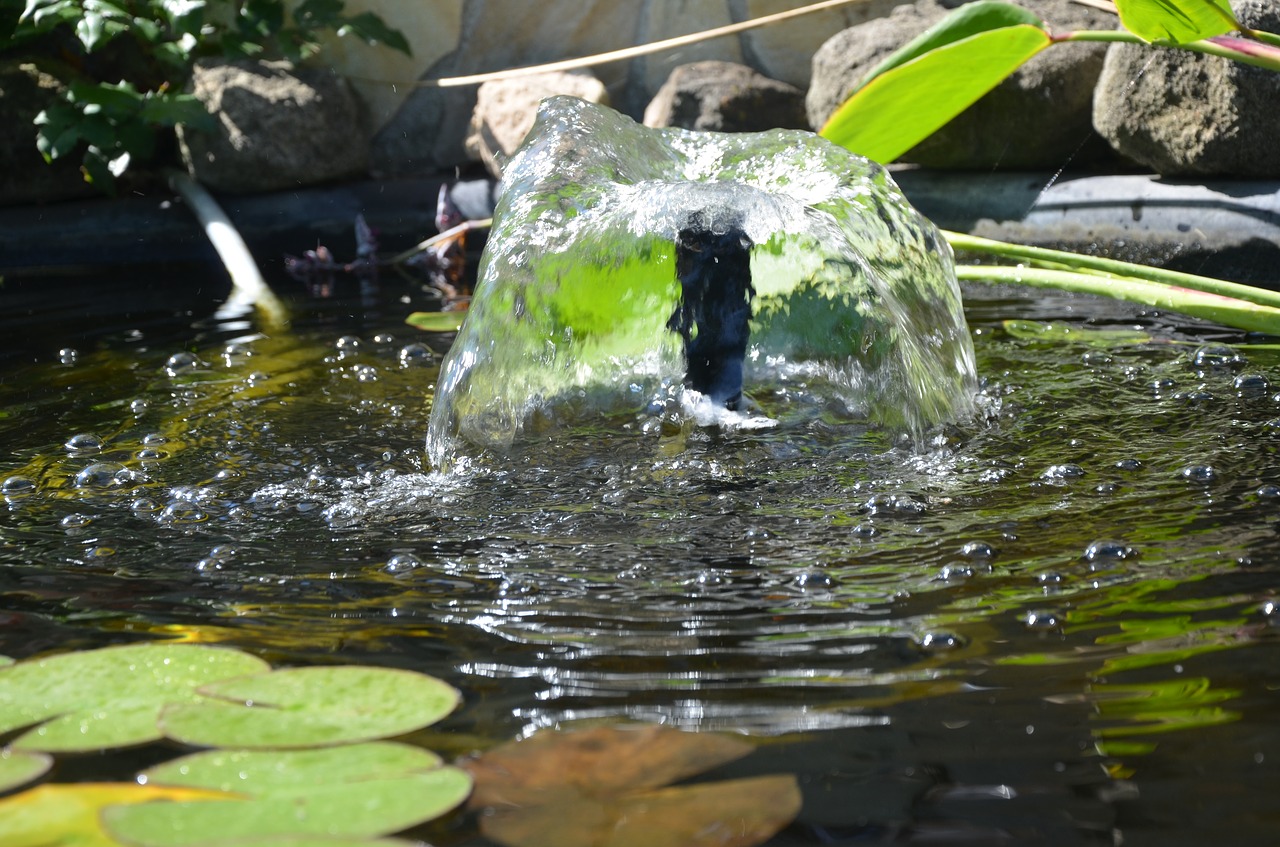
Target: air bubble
(137,407)
(1251,386)
(17,486)
(182,512)
(813,581)
(1104,551)
(1041,621)
(954,573)
(68,355)
(347,342)
(977,550)
(415,354)
(940,642)
(401,563)
(1202,474)
(1217,357)
(75,520)
(100,475)
(182,363)
(1064,471)
(84,443)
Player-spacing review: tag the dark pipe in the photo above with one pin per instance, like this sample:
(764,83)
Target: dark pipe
(713,264)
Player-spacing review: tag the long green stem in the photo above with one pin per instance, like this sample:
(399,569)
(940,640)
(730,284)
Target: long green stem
(1064,261)
(1228,311)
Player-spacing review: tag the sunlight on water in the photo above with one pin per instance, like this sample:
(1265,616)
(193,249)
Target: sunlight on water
(854,289)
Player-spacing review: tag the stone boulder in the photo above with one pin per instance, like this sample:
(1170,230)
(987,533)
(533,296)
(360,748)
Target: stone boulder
(26,177)
(1187,114)
(1039,117)
(277,127)
(506,109)
(725,97)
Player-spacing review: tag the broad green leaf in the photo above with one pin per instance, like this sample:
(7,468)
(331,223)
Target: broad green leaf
(18,767)
(110,697)
(436,321)
(1176,21)
(359,790)
(68,815)
(899,109)
(969,19)
(374,30)
(306,707)
(1055,331)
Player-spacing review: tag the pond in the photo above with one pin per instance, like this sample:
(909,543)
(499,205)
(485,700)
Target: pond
(1053,624)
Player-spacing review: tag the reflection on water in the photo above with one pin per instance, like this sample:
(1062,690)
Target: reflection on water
(1050,626)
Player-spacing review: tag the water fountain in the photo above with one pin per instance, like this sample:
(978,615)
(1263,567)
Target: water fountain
(585,299)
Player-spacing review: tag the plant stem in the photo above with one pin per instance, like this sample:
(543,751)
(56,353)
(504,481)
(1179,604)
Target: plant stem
(1112,268)
(452,232)
(1263,53)
(1227,311)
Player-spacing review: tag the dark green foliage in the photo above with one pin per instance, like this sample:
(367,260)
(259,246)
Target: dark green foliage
(125,63)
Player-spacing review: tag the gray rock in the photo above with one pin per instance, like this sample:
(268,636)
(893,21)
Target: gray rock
(725,97)
(506,109)
(25,177)
(1187,114)
(1039,117)
(277,127)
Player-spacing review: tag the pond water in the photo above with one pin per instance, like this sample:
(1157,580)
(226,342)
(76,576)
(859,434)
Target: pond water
(1051,625)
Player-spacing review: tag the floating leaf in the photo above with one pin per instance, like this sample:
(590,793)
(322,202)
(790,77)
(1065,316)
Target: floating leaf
(602,786)
(68,815)
(306,707)
(735,813)
(362,790)
(890,115)
(436,321)
(109,697)
(592,762)
(1065,332)
(1176,21)
(18,767)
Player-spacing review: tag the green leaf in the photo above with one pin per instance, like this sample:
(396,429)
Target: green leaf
(900,108)
(1176,21)
(968,20)
(18,767)
(436,321)
(359,790)
(166,109)
(110,697)
(55,815)
(304,707)
(374,30)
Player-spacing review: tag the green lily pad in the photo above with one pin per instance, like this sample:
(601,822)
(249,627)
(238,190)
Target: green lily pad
(18,767)
(308,707)
(353,792)
(1064,332)
(109,697)
(436,321)
(68,815)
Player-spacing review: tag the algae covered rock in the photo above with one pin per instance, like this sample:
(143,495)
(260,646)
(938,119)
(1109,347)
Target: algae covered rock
(578,307)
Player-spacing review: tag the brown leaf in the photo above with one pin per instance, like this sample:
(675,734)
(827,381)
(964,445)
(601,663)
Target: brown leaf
(735,813)
(552,767)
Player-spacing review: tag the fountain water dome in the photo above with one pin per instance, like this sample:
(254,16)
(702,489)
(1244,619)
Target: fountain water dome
(852,291)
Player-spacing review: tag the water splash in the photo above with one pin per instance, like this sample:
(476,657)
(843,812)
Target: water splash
(854,292)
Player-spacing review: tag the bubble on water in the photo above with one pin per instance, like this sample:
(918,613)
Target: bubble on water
(137,407)
(182,363)
(100,475)
(183,512)
(225,552)
(384,338)
(1041,620)
(1096,359)
(17,486)
(940,642)
(1268,492)
(1106,488)
(151,439)
(1251,386)
(144,505)
(1162,386)
(813,581)
(415,354)
(1109,551)
(75,520)
(1068,470)
(348,343)
(895,504)
(365,373)
(977,550)
(955,573)
(84,442)
(148,455)
(1050,577)
(402,563)
(1129,464)
(864,530)
(1217,357)
(1200,474)
(68,355)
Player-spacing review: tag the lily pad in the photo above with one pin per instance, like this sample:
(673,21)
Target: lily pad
(18,767)
(68,815)
(603,786)
(109,697)
(353,792)
(436,321)
(308,707)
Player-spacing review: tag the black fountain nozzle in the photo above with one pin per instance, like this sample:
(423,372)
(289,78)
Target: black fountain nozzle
(713,264)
